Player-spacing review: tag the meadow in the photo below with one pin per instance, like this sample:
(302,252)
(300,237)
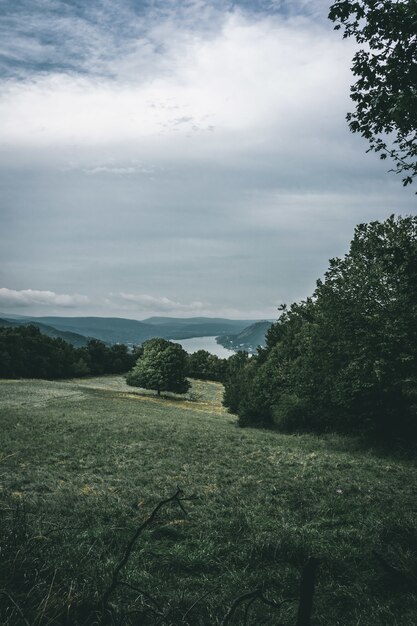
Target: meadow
(84,462)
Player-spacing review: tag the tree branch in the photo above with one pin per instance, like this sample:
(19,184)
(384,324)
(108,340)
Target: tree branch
(129,548)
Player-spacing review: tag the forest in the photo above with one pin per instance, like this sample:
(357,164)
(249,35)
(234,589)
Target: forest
(343,360)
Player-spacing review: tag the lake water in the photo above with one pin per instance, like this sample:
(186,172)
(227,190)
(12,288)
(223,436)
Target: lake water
(204,343)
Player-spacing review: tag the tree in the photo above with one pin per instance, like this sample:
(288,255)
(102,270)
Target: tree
(161,367)
(234,384)
(206,366)
(367,330)
(386,90)
(345,359)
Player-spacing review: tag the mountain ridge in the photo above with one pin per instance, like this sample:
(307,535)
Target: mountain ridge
(129,331)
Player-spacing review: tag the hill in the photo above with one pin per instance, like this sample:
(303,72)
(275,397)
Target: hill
(75,339)
(186,328)
(84,463)
(120,330)
(248,339)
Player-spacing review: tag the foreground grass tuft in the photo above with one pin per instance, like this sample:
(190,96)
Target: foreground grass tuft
(83,464)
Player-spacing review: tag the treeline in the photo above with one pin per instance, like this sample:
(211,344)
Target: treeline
(207,366)
(27,353)
(344,360)
(164,365)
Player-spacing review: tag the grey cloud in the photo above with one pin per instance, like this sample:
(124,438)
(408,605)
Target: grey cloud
(100,195)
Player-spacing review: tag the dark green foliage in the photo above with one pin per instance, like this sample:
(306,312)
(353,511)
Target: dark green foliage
(102,359)
(385,92)
(248,340)
(162,367)
(74,339)
(25,352)
(346,359)
(234,382)
(206,366)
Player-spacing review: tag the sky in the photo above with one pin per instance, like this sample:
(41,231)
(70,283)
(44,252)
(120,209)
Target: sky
(179,158)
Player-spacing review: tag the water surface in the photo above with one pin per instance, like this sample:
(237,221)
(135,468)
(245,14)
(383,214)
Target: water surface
(204,343)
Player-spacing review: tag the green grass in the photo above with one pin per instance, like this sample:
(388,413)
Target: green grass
(84,462)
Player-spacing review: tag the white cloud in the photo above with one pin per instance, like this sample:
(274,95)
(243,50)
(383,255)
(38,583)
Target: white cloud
(119,168)
(269,78)
(160,303)
(203,156)
(29,297)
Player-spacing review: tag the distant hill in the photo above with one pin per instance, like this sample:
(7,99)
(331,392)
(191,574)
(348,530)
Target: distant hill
(185,328)
(119,330)
(107,329)
(248,339)
(73,338)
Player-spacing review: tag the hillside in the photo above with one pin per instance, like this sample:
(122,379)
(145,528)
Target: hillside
(120,330)
(185,328)
(107,329)
(248,339)
(75,339)
(84,463)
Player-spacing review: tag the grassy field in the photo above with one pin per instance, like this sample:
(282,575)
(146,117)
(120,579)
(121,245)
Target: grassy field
(84,462)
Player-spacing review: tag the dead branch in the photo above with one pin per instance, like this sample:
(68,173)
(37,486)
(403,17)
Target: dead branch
(248,595)
(129,548)
(251,597)
(143,593)
(199,599)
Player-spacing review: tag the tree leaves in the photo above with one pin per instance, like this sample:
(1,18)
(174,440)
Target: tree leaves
(385,93)
(162,367)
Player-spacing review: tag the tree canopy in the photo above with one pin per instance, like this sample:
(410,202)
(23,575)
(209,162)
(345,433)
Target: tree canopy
(345,359)
(385,92)
(206,366)
(162,367)
(25,352)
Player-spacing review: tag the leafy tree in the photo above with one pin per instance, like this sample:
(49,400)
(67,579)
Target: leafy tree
(346,359)
(234,384)
(96,355)
(385,92)
(366,333)
(120,359)
(161,367)
(201,364)
(27,353)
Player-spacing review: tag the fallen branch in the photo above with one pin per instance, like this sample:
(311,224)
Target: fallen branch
(143,593)
(251,597)
(198,601)
(248,595)
(129,548)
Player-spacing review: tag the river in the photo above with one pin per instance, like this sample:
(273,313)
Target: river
(204,343)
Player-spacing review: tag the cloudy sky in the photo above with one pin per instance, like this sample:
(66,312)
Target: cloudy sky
(177,157)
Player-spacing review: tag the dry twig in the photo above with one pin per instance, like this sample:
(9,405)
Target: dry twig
(129,548)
